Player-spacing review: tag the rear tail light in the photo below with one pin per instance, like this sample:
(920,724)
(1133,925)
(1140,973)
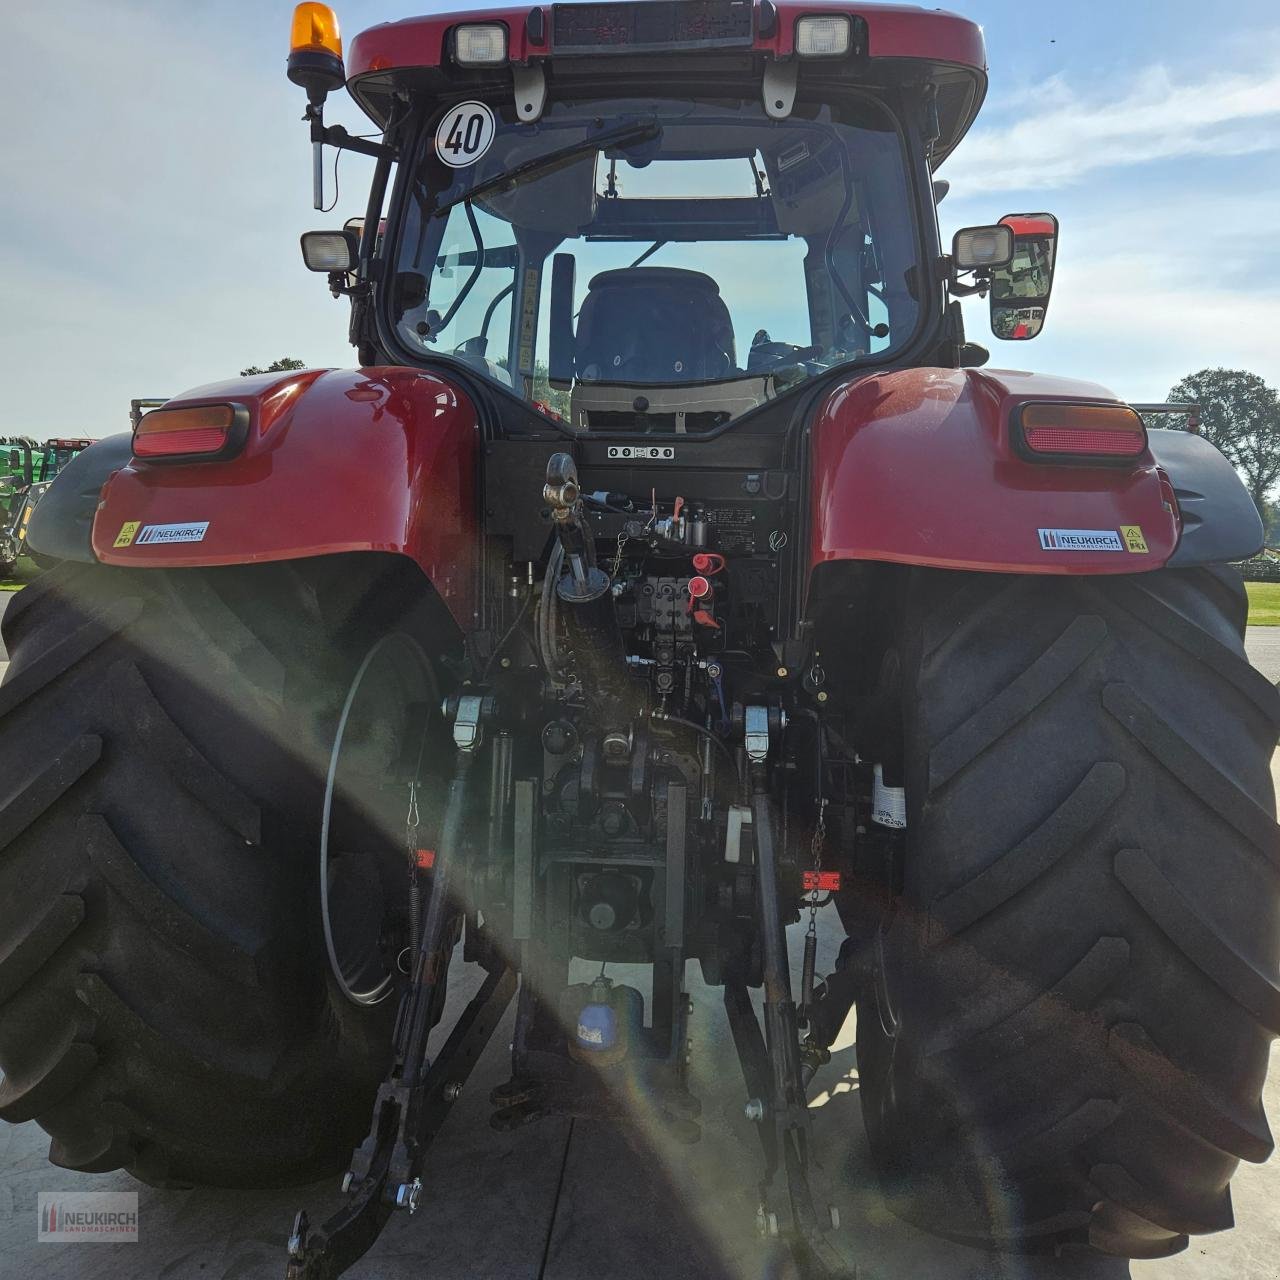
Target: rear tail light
(200,433)
(1072,432)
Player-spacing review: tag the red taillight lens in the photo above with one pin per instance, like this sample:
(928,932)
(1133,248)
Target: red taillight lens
(205,431)
(1067,431)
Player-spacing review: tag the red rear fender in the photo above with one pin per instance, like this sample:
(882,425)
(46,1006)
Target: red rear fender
(379,459)
(917,467)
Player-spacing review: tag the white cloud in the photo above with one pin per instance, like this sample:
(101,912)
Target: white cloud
(1139,321)
(1060,135)
(156,178)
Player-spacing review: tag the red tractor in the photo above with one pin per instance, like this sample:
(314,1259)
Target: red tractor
(686,565)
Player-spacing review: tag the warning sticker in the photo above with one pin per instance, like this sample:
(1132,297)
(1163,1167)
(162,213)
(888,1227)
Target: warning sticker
(192,532)
(1080,540)
(1133,539)
(127,532)
(529,320)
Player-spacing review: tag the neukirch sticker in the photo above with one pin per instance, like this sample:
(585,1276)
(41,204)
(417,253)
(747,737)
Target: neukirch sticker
(191,532)
(1080,540)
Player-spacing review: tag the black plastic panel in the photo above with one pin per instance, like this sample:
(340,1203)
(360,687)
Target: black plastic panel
(652,25)
(1220,524)
(62,523)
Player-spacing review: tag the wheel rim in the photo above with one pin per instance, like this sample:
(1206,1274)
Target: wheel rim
(383,741)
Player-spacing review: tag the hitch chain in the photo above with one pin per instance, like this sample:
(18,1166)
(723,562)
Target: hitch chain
(412,823)
(623,538)
(815,901)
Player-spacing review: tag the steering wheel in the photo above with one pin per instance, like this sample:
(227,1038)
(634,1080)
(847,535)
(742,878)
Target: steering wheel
(767,356)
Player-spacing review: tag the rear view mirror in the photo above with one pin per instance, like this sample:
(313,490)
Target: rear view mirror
(1020,290)
(560,353)
(330,251)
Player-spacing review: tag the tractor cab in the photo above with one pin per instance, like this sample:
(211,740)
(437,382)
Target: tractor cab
(655,217)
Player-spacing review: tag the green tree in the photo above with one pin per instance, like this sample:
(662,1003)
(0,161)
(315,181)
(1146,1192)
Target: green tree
(283,365)
(1241,415)
(552,397)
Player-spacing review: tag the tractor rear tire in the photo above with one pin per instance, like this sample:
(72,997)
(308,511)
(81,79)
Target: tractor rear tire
(1064,1035)
(166,1004)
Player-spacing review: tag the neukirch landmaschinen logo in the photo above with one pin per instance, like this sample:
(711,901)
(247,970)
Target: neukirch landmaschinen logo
(88,1217)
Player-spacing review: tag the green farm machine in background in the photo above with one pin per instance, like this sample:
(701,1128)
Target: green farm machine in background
(27,469)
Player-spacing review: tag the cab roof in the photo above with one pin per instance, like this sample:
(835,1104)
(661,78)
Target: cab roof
(894,31)
(949,49)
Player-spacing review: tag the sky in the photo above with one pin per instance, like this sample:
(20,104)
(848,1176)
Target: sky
(156,176)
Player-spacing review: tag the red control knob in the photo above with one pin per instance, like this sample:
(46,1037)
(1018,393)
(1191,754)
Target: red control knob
(699,587)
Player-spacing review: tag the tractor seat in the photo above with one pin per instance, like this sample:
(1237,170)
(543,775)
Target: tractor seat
(654,325)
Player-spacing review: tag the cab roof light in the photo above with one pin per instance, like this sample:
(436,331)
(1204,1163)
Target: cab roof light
(315,52)
(315,30)
(824,36)
(480,44)
(201,433)
(1072,432)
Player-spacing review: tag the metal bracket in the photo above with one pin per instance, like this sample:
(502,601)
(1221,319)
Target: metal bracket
(531,92)
(781,79)
(468,729)
(739,817)
(757,725)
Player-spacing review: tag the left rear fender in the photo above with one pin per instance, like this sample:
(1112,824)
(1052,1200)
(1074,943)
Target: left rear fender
(380,459)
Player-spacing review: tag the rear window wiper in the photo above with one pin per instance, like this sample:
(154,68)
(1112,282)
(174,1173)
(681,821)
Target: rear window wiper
(622,136)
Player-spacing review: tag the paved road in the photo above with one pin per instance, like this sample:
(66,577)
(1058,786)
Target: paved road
(575,1201)
(1263,645)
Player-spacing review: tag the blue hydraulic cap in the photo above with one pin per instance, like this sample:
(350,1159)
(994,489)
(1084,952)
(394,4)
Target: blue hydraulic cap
(597,1028)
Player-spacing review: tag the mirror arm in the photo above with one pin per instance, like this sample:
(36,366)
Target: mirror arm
(335,135)
(959,288)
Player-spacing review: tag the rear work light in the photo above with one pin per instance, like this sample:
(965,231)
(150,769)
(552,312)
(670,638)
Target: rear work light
(826,36)
(480,44)
(200,433)
(1075,432)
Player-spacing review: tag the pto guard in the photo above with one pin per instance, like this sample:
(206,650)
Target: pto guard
(916,466)
(379,459)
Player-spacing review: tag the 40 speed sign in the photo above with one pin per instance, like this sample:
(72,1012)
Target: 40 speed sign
(465,134)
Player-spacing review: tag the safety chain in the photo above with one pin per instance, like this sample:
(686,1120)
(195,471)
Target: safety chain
(623,538)
(617,555)
(411,824)
(819,841)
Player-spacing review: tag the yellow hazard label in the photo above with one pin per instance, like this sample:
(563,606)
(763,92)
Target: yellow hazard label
(1133,539)
(129,531)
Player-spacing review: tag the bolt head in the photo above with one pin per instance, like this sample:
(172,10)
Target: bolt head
(754,1110)
(452,1091)
(823,696)
(783,673)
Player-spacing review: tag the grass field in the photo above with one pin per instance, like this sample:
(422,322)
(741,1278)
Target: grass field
(1264,603)
(26,571)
